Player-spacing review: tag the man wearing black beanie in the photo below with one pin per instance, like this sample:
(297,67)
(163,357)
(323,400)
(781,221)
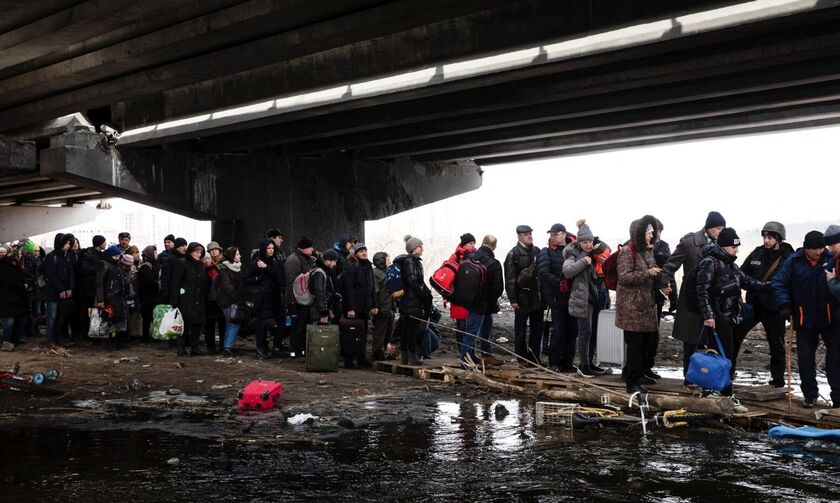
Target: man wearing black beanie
(687,255)
(86,277)
(801,291)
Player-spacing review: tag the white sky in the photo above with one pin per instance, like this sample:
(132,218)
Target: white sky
(789,177)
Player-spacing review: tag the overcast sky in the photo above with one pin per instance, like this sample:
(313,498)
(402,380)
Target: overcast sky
(789,177)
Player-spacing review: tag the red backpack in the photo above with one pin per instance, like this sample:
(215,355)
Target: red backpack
(611,270)
(443,280)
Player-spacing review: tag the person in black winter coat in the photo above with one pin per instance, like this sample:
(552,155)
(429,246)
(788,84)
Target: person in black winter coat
(480,318)
(359,295)
(167,265)
(762,264)
(416,304)
(259,288)
(148,290)
(190,285)
(719,284)
(58,290)
(299,262)
(86,269)
(555,290)
(322,287)
(112,289)
(344,248)
(14,302)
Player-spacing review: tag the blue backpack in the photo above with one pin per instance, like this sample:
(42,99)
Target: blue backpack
(394,281)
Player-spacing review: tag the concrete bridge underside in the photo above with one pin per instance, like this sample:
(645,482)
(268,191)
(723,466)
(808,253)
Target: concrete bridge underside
(319,115)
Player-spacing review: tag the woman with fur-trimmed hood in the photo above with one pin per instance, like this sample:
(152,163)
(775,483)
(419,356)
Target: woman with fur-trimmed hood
(635,298)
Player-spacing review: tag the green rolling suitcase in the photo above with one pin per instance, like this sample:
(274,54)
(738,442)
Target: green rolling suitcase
(322,348)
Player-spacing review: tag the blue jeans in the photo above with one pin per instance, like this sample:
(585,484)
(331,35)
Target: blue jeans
(480,325)
(429,343)
(13,328)
(54,322)
(231,330)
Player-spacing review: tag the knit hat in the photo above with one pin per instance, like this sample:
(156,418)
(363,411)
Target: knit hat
(584,233)
(127,260)
(169,237)
(98,240)
(329,255)
(411,243)
(304,243)
(813,240)
(212,245)
(832,234)
(113,250)
(715,219)
(28,246)
(179,242)
(467,238)
(728,237)
(358,247)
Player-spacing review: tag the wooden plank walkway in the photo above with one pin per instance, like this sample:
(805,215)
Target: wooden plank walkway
(765,402)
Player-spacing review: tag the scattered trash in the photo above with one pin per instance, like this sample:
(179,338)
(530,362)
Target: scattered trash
(502,340)
(174,391)
(137,384)
(128,359)
(322,382)
(147,365)
(173,461)
(226,361)
(179,365)
(220,386)
(199,381)
(301,419)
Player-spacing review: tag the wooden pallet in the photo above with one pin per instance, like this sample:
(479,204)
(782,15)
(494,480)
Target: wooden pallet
(426,372)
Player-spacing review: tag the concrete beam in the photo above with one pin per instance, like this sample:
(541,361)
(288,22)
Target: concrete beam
(17,157)
(22,222)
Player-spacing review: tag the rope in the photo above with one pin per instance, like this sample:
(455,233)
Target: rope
(518,357)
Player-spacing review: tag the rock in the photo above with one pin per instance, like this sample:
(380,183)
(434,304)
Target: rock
(501,412)
(179,365)
(346,423)
(128,359)
(174,391)
(137,384)
(220,386)
(322,382)
(173,461)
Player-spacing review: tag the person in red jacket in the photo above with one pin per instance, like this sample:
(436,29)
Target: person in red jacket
(456,312)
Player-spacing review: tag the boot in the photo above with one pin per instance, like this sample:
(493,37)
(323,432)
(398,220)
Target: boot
(364,362)
(413,360)
(378,355)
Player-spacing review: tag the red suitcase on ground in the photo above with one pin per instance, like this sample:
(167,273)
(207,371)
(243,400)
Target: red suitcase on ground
(260,395)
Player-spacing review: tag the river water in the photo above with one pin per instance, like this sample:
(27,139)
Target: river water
(461,450)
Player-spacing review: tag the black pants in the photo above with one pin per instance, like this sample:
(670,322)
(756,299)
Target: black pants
(460,328)
(264,327)
(192,332)
(564,329)
(214,318)
(412,330)
(584,340)
(774,327)
(806,351)
(148,316)
(383,327)
(529,350)
(593,337)
(638,346)
(297,332)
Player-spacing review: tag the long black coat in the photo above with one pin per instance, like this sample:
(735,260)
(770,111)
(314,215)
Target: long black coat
(550,268)
(112,288)
(58,270)
(357,281)
(190,286)
(417,300)
(494,283)
(526,294)
(260,286)
(148,289)
(228,284)
(86,268)
(14,300)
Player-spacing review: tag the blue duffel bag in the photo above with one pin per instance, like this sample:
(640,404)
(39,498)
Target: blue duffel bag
(708,368)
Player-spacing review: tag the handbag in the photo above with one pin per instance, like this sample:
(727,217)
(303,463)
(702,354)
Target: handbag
(708,368)
(239,314)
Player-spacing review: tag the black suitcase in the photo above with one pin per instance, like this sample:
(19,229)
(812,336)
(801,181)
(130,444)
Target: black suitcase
(352,336)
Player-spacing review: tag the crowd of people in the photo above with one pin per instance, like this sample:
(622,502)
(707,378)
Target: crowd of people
(567,282)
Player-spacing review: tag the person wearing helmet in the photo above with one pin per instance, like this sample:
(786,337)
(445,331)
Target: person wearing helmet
(762,264)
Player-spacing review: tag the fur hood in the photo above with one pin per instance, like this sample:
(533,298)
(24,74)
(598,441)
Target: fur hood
(638,229)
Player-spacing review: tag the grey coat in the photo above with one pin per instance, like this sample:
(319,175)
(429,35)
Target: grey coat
(584,292)
(686,255)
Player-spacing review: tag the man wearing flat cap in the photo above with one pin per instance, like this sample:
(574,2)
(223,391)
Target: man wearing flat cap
(522,289)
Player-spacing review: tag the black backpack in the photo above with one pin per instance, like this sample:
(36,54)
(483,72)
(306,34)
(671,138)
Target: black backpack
(469,281)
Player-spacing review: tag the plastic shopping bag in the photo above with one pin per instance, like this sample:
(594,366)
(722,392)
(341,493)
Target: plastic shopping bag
(172,324)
